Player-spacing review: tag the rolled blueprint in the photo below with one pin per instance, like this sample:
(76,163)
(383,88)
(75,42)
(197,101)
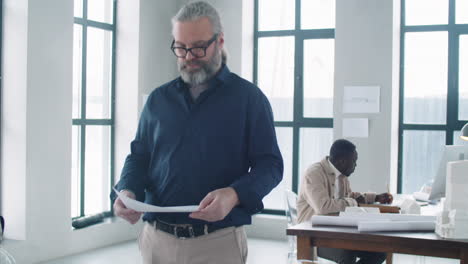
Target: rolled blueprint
(371,226)
(393,217)
(342,220)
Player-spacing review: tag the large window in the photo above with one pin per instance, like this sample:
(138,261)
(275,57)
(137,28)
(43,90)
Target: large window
(294,67)
(434,85)
(93,107)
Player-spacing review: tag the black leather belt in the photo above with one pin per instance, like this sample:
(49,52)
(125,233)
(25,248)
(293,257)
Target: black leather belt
(184,230)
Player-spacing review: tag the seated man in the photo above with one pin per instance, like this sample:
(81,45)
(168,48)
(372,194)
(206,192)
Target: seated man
(325,189)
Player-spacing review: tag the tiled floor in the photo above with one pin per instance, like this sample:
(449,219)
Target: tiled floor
(260,252)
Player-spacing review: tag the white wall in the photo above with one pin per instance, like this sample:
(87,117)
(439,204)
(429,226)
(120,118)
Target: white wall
(367,53)
(144,62)
(14,88)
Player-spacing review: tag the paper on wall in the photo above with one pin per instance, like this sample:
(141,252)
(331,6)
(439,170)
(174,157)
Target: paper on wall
(361,99)
(144,207)
(355,127)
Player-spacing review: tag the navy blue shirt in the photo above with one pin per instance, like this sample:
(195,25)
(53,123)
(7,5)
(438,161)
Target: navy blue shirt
(186,148)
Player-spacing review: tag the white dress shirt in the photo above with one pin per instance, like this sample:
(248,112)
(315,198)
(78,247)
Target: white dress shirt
(338,188)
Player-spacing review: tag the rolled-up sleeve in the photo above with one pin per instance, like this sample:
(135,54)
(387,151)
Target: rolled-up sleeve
(317,196)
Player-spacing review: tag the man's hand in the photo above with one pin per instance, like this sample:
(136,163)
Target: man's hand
(216,205)
(121,210)
(360,199)
(384,198)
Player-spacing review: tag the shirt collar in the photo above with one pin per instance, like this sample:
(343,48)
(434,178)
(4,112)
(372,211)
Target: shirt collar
(221,77)
(335,170)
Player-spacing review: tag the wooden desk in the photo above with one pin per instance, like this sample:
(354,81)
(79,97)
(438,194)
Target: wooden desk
(415,243)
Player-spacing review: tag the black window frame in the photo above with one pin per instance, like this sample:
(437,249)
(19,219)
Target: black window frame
(85,220)
(299,121)
(452,122)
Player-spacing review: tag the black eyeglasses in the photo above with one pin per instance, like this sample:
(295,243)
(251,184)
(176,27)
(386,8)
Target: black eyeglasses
(197,52)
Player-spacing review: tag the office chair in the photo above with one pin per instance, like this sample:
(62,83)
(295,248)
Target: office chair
(291,216)
(5,257)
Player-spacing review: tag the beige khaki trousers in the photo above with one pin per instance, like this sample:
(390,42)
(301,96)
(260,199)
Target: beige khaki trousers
(226,246)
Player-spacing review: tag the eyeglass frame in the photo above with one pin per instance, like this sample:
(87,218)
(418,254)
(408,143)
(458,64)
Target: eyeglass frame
(207,45)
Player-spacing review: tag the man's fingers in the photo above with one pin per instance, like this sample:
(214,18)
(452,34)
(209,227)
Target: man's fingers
(390,198)
(207,216)
(129,215)
(216,205)
(385,198)
(120,207)
(205,210)
(206,201)
(198,215)
(134,218)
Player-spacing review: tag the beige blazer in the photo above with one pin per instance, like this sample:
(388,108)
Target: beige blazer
(317,192)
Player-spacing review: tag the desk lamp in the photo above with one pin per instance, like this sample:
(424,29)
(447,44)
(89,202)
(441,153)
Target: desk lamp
(464,132)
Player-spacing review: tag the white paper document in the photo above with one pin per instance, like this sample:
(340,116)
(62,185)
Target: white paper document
(356,127)
(371,226)
(144,207)
(369,222)
(342,220)
(392,217)
(361,99)
(362,210)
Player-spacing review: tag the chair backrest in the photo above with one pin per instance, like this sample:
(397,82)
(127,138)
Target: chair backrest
(291,206)
(5,257)
(2,224)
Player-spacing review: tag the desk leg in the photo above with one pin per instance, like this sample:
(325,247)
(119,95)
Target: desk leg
(304,248)
(464,256)
(389,259)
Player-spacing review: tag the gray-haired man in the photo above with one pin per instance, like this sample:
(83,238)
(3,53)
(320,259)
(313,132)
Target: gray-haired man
(205,138)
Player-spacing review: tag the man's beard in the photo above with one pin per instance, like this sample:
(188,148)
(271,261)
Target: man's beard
(206,71)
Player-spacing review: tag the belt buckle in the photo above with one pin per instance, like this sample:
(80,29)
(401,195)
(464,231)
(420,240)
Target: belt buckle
(175,232)
(191,232)
(183,228)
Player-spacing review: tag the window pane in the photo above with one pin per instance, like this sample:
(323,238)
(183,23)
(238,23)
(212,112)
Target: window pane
(98,73)
(426,12)
(77,69)
(319,64)
(75,172)
(276,74)
(457,140)
(276,15)
(315,144)
(463,78)
(425,77)
(78,8)
(97,169)
(422,151)
(275,200)
(461,12)
(317,14)
(100,10)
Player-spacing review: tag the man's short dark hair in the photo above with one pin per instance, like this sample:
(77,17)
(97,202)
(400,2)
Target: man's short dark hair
(341,148)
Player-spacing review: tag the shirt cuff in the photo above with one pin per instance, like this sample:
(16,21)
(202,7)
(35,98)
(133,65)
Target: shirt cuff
(370,197)
(351,202)
(247,200)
